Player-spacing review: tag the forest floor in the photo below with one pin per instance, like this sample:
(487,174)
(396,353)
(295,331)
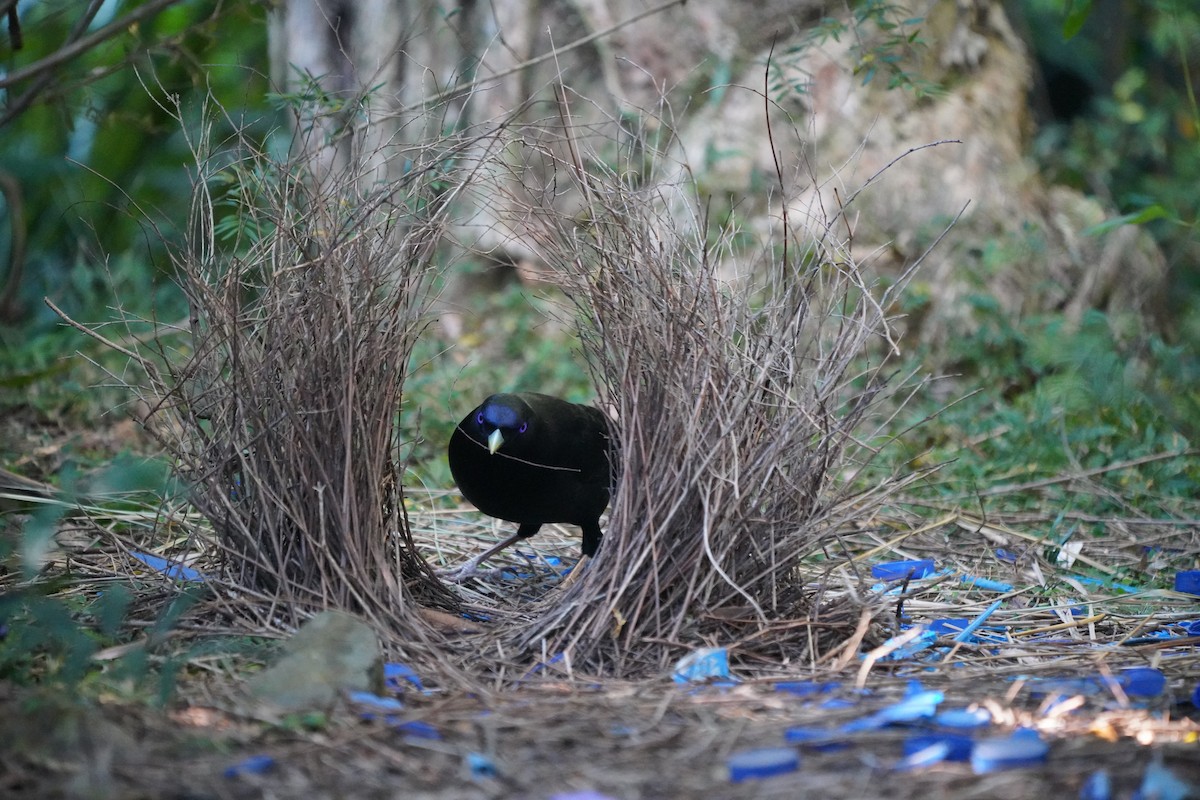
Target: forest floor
(578,737)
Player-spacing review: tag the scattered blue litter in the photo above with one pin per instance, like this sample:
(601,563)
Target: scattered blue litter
(766,762)
(949,626)
(835,703)
(922,641)
(922,705)
(376,707)
(807,688)
(1142,681)
(1196,696)
(986,584)
(394,673)
(172,569)
(419,729)
(1188,581)
(1008,556)
(254,765)
(900,570)
(969,631)
(1023,748)
(702,664)
(480,766)
(1064,687)
(541,665)
(963,718)
(1160,783)
(1098,786)
(932,753)
(1090,581)
(958,746)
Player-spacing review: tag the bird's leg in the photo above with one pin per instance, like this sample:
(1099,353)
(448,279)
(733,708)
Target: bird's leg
(471,568)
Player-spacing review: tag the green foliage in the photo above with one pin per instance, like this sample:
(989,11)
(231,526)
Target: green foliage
(1057,399)
(1138,143)
(886,43)
(103,169)
(54,625)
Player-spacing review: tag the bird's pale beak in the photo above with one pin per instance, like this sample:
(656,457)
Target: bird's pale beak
(495,439)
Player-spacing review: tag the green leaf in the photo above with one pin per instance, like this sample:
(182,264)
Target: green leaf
(1078,12)
(1147,214)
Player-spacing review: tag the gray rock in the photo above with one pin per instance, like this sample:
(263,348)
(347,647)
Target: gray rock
(332,653)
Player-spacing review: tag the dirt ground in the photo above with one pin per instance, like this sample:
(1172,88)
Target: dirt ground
(552,740)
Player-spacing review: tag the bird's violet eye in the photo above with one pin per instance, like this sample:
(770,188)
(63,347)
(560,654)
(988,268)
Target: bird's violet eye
(479,418)
(524,426)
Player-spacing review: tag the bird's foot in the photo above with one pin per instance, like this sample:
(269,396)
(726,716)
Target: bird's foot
(466,571)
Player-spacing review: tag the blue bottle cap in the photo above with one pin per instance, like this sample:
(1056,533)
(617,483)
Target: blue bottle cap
(1021,749)
(763,763)
(1188,581)
(899,570)
(1142,681)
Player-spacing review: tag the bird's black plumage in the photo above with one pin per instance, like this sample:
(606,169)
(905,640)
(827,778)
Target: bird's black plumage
(531,459)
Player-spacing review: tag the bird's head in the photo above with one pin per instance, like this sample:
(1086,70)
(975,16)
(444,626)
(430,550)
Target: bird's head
(502,418)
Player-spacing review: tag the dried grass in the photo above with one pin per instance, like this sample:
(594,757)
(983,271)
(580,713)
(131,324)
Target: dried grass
(743,409)
(278,401)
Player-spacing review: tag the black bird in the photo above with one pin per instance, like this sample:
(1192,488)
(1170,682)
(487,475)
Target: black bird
(531,459)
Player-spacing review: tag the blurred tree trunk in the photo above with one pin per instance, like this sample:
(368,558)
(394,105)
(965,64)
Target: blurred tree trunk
(696,74)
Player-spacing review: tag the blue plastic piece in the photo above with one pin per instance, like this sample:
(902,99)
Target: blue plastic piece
(394,673)
(835,703)
(1188,581)
(1192,628)
(974,625)
(949,626)
(922,641)
(376,703)
(806,688)
(1008,556)
(1021,749)
(900,570)
(986,584)
(1098,786)
(958,746)
(919,706)
(766,762)
(254,765)
(1196,696)
(1160,783)
(702,664)
(480,766)
(932,753)
(1142,681)
(963,718)
(419,729)
(1065,687)
(172,569)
